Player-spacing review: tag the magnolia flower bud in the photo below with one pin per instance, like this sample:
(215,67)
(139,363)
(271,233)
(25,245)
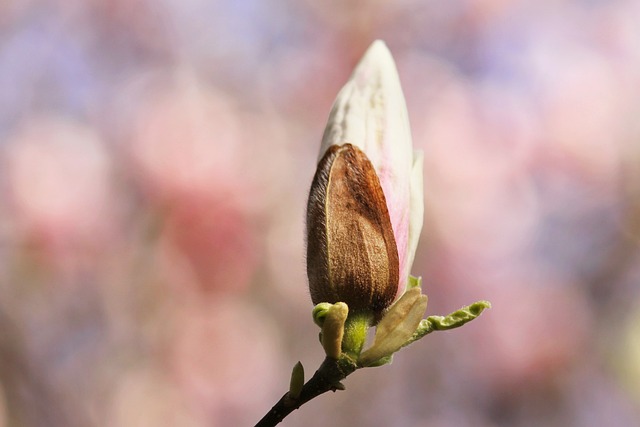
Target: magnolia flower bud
(365,207)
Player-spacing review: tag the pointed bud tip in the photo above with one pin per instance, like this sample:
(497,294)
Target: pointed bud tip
(377,57)
(378,48)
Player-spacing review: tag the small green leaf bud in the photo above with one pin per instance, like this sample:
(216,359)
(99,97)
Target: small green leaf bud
(333,329)
(297,381)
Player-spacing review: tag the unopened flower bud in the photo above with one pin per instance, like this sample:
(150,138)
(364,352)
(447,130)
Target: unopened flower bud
(370,112)
(365,207)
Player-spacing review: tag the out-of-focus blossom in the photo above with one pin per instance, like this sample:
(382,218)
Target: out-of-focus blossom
(209,244)
(584,103)
(190,157)
(146,398)
(187,142)
(535,333)
(59,176)
(478,145)
(207,361)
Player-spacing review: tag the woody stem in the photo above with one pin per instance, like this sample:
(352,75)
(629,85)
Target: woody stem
(327,378)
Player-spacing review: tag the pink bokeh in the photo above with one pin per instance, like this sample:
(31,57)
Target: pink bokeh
(155,159)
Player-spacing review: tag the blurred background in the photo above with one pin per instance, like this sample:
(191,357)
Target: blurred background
(155,158)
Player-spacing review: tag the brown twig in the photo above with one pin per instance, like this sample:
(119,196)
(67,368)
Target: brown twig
(327,378)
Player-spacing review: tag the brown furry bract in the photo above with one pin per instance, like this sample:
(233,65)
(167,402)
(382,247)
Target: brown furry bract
(351,250)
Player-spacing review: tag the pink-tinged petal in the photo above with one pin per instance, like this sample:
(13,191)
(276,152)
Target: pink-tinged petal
(416,215)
